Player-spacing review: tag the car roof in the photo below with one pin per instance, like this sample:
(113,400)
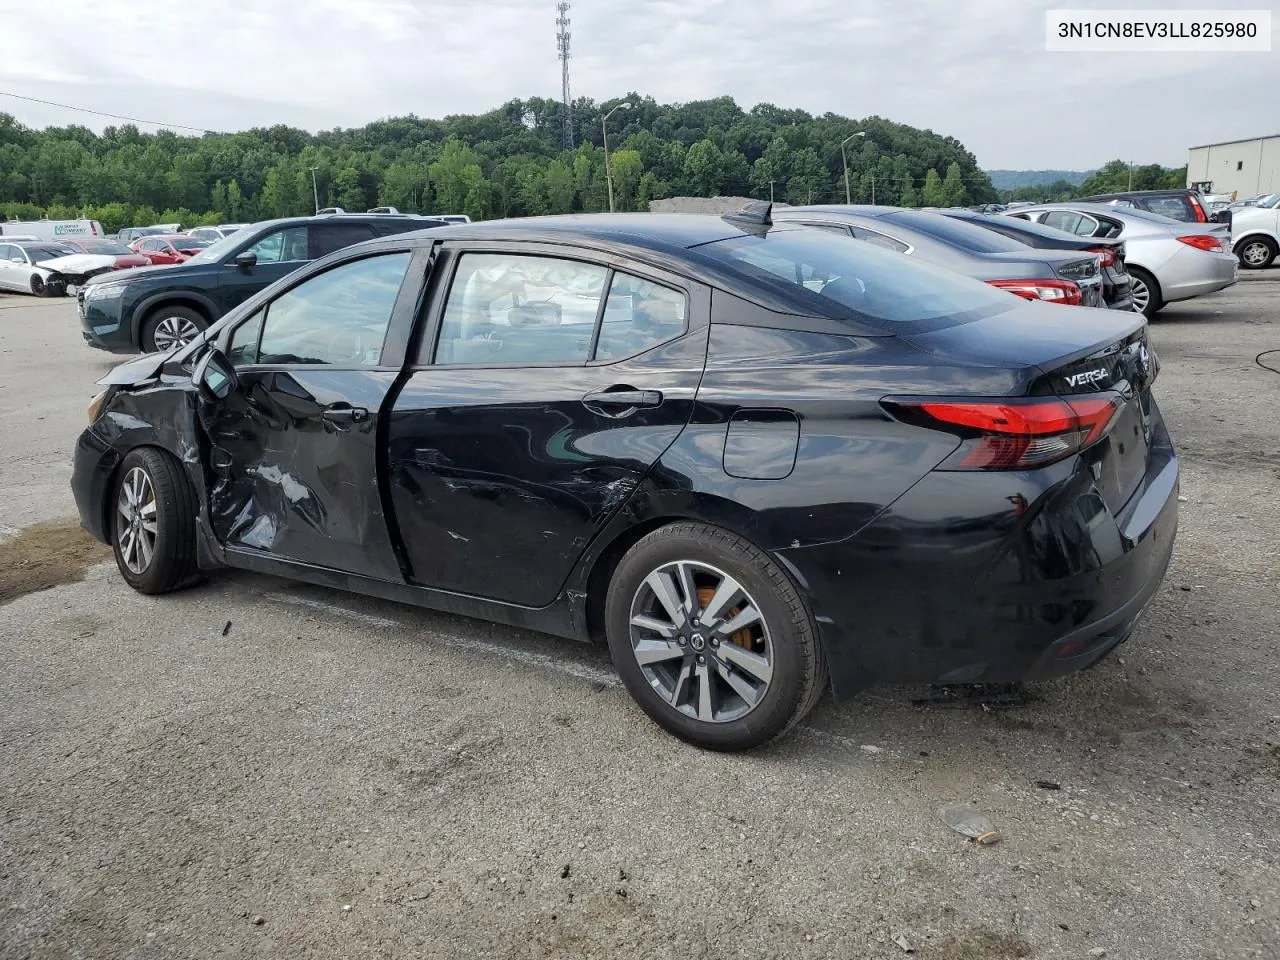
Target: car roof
(659,232)
(1169,191)
(854,209)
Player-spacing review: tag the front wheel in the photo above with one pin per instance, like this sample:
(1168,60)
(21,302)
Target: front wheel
(154,533)
(1256,253)
(712,638)
(170,327)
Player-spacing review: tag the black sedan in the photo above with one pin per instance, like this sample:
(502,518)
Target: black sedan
(1117,287)
(1055,276)
(758,462)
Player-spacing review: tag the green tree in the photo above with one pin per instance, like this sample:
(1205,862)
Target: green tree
(627,169)
(235,201)
(909,198)
(953,192)
(558,183)
(348,192)
(704,169)
(454,175)
(932,195)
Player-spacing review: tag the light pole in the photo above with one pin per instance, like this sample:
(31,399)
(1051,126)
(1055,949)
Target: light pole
(1130,174)
(604,129)
(848,197)
(771,183)
(315,191)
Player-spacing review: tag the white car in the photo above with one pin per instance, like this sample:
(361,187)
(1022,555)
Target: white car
(47,269)
(1167,259)
(214,234)
(1255,233)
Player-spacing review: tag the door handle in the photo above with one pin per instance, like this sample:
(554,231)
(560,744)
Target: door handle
(624,397)
(344,413)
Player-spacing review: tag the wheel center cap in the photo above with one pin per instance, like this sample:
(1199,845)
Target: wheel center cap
(697,641)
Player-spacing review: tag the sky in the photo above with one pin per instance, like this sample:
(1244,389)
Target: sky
(976,70)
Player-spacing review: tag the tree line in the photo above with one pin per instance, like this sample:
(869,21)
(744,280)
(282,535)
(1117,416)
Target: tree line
(507,162)
(1113,177)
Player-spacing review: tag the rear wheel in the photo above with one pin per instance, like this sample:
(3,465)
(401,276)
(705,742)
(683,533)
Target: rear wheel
(171,326)
(1145,291)
(712,638)
(1256,253)
(153,522)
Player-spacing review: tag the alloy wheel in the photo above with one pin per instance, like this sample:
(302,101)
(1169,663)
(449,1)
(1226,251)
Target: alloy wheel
(1140,294)
(1255,254)
(136,520)
(701,641)
(174,332)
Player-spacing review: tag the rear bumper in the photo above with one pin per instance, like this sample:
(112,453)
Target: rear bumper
(93,465)
(1193,273)
(992,577)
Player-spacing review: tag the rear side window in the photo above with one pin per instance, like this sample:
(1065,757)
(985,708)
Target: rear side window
(879,240)
(638,316)
(962,235)
(855,281)
(328,237)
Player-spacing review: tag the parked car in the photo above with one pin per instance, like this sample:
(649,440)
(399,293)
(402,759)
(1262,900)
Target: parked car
(1116,285)
(157,308)
(50,231)
(760,463)
(1167,260)
(1255,233)
(1054,276)
(213,234)
(23,266)
(124,258)
(128,235)
(169,248)
(1178,204)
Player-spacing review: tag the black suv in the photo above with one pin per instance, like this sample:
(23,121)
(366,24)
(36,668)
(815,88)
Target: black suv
(1186,205)
(155,308)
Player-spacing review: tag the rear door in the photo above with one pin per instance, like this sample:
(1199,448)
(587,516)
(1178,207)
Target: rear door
(294,450)
(548,384)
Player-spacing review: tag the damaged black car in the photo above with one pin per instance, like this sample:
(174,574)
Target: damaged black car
(759,463)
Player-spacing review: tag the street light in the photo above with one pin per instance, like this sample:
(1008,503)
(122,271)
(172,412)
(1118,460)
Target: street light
(848,197)
(315,191)
(604,129)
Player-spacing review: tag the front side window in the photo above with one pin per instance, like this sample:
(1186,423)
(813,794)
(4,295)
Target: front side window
(339,317)
(243,348)
(282,246)
(508,308)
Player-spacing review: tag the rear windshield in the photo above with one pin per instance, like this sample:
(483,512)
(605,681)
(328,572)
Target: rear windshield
(107,248)
(847,279)
(1037,234)
(963,235)
(190,243)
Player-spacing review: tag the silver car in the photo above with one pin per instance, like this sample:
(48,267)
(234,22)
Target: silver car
(20,266)
(1167,259)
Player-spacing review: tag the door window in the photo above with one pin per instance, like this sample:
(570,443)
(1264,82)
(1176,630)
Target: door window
(830,228)
(282,246)
(339,317)
(329,237)
(638,316)
(1071,222)
(510,309)
(8,252)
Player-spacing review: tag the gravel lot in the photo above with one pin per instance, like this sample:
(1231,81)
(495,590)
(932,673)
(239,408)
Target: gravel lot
(340,777)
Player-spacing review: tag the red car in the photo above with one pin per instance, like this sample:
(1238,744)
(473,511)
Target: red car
(125,258)
(168,248)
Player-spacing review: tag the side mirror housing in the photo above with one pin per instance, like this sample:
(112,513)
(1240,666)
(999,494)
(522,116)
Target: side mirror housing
(246,259)
(214,375)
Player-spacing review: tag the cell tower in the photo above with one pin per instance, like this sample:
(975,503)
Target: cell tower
(562,44)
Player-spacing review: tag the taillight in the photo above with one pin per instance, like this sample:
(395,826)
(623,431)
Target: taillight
(1199,210)
(1202,241)
(1107,255)
(1052,291)
(1013,434)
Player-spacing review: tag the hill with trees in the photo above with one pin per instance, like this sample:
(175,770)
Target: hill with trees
(1013,179)
(507,162)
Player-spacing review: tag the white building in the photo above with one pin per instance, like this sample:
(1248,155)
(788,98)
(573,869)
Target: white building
(1243,167)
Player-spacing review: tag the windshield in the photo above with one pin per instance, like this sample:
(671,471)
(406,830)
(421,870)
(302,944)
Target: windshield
(107,249)
(852,279)
(963,235)
(41,254)
(215,251)
(1268,202)
(189,243)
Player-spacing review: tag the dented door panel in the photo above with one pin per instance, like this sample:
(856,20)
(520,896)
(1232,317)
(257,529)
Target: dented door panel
(294,467)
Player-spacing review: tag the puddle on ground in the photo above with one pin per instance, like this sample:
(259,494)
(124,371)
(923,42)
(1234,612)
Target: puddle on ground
(46,555)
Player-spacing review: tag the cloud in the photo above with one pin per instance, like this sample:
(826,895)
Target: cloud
(976,70)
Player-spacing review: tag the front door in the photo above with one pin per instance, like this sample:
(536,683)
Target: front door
(294,458)
(278,254)
(551,387)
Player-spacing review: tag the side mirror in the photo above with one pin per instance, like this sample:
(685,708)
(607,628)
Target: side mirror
(246,260)
(214,375)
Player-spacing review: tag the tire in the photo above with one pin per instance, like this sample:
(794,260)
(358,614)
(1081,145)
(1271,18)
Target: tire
(785,639)
(1256,253)
(171,539)
(38,287)
(1144,281)
(167,325)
